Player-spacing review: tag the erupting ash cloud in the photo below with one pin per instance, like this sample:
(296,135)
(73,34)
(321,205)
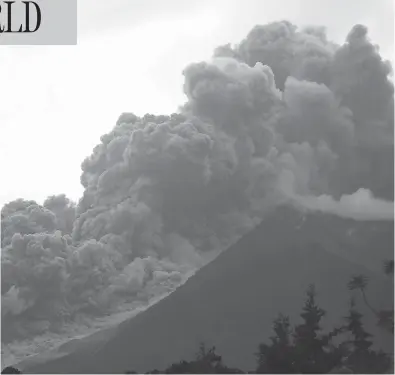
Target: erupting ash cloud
(284,115)
(359,206)
(284,102)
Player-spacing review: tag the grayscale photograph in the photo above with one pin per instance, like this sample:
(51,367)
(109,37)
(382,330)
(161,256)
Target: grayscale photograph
(197,186)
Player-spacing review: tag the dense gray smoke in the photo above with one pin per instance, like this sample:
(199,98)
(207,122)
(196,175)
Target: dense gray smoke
(286,115)
(222,156)
(359,206)
(25,217)
(64,210)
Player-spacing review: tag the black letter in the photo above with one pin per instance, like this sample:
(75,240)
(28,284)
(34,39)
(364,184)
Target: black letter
(9,14)
(1,29)
(9,20)
(38,10)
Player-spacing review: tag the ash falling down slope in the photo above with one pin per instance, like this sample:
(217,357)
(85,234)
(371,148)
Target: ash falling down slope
(231,302)
(284,118)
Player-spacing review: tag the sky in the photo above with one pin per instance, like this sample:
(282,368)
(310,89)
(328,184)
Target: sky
(56,101)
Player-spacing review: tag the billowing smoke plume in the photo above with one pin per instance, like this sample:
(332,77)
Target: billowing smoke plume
(286,115)
(25,217)
(359,206)
(64,210)
(242,128)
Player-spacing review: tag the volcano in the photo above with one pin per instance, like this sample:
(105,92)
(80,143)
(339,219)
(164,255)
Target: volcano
(232,301)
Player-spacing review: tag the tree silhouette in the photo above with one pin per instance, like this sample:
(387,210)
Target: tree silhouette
(385,317)
(389,267)
(11,370)
(360,282)
(313,350)
(302,350)
(206,362)
(361,358)
(277,358)
(305,349)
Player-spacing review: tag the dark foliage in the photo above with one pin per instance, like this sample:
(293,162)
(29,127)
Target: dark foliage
(361,358)
(206,362)
(303,349)
(385,318)
(313,350)
(11,370)
(389,267)
(278,357)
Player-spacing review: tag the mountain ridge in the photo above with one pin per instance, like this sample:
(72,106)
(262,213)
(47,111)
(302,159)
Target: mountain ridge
(226,302)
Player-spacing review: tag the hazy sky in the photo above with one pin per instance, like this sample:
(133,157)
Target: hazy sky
(55,102)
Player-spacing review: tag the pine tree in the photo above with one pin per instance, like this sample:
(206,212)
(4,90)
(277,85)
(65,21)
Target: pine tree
(385,317)
(313,352)
(206,362)
(10,370)
(361,358)
(277,358)
(305,349)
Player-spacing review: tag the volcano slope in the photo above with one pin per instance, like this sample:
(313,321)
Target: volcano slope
(232,301)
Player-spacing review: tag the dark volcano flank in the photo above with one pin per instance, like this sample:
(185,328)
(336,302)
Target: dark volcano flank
(231,302)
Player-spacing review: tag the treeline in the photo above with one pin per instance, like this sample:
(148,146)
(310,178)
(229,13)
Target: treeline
(305,348)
